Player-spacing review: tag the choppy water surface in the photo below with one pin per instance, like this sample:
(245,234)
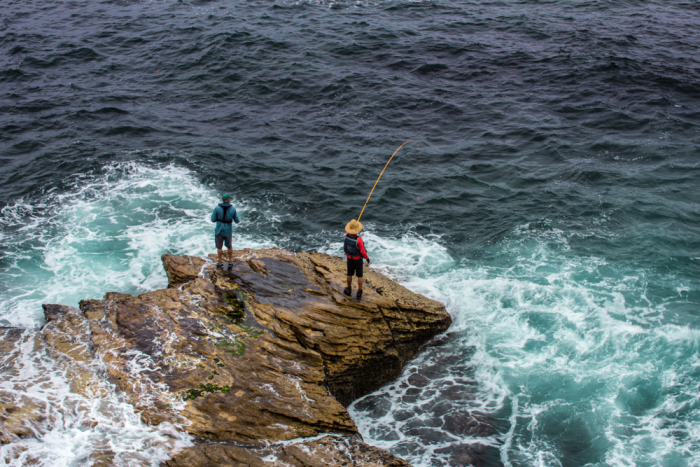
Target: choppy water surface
(558,218)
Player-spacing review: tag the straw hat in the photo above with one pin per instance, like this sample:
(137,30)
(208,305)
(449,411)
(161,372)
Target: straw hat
(353,227)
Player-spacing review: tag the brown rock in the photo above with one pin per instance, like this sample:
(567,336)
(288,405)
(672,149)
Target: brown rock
(19,414)
(181,269)
(256,386)
(67,335)
(326,451)
(25,354)
(256,350)
(363,343)
(369,347)
(266,352)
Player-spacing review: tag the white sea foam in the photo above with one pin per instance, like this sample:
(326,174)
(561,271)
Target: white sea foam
(71,429)
(105,232)
(563,352)
(567,352)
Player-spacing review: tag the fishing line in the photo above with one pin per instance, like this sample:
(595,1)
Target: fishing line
(387,165)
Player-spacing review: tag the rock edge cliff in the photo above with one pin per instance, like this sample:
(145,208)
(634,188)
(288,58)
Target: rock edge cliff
(268,352)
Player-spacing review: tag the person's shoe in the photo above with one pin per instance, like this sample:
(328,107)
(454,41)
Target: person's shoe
(220,265)
(229,265)
(359,294)
(348,291)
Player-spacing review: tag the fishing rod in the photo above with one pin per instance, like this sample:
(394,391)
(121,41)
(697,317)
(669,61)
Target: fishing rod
(380,175)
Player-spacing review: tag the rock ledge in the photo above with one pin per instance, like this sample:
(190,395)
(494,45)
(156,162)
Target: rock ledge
(268,352)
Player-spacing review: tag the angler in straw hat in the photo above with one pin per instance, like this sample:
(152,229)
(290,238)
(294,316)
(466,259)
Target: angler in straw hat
(355,251)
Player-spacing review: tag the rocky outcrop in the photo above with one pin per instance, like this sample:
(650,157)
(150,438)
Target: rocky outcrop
(18,413)
(182,269)
(268,351)
(329,450)
(63,340)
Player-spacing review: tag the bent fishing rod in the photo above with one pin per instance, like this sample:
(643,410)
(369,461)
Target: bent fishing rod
(380,175)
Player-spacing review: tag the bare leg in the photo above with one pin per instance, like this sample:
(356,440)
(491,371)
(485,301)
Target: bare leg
(230,255)
(349,282)
(359,283)
(220,252)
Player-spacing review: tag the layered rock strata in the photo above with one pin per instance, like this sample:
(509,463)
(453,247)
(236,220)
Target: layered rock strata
(268,351)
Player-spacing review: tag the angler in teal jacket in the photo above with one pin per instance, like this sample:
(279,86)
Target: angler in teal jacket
(224,215)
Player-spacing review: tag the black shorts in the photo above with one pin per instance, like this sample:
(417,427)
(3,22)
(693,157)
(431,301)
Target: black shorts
(221,240)
(355,266)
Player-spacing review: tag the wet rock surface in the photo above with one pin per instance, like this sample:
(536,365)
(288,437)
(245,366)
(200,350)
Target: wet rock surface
(328,450)
(266,352)
(63,339)
(18,413)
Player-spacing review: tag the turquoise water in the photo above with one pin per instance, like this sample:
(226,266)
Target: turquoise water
(553,207)
(578,360)
(573,359)
(105,231)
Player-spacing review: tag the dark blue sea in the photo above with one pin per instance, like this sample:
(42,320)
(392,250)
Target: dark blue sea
(553,206)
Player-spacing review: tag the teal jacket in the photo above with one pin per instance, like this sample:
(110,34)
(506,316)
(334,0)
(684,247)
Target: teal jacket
(222,228)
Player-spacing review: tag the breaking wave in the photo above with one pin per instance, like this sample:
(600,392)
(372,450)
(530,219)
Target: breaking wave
(104,232)
(551,356)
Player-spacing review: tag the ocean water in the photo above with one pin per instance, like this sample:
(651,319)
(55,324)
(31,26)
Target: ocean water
(553,206)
